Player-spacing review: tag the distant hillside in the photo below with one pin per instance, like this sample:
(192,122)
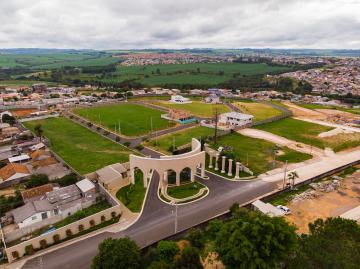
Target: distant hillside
(40,51)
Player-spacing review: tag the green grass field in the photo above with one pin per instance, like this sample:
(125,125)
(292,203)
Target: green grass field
(134,119)
(132,196)
(258,110)
(297,130)
(181,138)
(207,74)
(184,190)
(84,150)
(196,108)
(257,154)
(55,60)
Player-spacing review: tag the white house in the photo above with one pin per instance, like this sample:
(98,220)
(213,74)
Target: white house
(235,119)
(212,99)
(178,99)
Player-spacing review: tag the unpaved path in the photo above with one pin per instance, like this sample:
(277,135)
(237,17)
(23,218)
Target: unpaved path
(329,124)
(254,133)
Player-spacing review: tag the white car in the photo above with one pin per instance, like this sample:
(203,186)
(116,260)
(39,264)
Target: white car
(285,209)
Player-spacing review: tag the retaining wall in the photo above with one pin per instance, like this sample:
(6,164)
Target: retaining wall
(73,227)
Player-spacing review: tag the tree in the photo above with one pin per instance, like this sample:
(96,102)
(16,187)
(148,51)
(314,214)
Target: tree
(120,253)
(188,259)
(37,180)
(167,250)
(196,238)
(38,130)
(8,119)
(331,243)
(253,240)
(159,265)
(291,177)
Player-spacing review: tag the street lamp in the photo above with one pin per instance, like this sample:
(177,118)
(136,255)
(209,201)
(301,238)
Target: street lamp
(173,202)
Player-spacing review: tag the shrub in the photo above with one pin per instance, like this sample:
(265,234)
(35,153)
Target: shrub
(117,139)
(67,180)
(89,124)
(103,218)
(127,144)
(167,250)
(29,250)
(106,133)
(196,238)
(56,238)
(68,233)
(139,147)
(92,223)
(43,243)
(15,254)
(37,180)
(81,228)
(113,214)
(98,128)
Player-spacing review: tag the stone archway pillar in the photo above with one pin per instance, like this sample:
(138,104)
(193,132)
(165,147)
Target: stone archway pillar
(146,179)
(237,170)
(223,164)
(164,182)
(192,174)
(178,178)
(210,161)
(230,168)
(132,178)
(217,162)
(203,170)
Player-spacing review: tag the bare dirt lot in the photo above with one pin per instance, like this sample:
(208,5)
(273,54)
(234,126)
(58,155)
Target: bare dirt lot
(330,204)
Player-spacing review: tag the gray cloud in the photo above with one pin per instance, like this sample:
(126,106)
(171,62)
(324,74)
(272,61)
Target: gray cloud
(109,24)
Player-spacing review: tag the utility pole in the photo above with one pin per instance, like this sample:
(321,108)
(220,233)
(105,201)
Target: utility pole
(285,170)
(151,124)
(274,158)
(176,215)
(119,128)
(173,143)
(216,119)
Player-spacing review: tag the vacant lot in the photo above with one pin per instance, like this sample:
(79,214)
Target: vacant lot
(134,120)
(324,205)
(181,138)
(297,130)
(257,154)
(196,108)
(84,150)
(307,133)
(258,110)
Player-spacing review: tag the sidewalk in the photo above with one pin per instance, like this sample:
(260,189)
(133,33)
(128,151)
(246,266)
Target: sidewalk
(312,169)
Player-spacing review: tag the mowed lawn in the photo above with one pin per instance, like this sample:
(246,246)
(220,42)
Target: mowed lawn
(257,154)
(297,130)
(134,119)
(258,110)
(196,108)
(180,138)
(84,150)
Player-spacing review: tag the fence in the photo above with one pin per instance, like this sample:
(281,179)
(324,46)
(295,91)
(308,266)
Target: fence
(62,233)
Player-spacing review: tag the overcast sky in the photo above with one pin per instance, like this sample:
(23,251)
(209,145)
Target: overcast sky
(115,24)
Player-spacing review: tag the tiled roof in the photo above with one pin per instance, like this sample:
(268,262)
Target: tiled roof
(11,169)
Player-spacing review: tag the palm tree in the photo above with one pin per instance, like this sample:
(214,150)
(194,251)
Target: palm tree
(291,177)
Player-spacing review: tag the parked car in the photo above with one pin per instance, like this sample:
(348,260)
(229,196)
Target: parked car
(285,209)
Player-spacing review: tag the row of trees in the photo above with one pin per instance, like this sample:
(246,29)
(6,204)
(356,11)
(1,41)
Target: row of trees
(246,240)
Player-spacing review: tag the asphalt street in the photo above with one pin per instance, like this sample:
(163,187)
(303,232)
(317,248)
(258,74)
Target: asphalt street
(158,220)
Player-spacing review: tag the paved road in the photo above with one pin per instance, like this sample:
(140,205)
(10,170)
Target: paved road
(157,220)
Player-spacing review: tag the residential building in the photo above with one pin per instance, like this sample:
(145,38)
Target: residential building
(235,119)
